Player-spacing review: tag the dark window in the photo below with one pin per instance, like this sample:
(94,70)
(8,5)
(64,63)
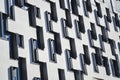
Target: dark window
(73,48)
(90,39)
(38,12)
(117,21)
(22,68)
(14,73)
(93,31)
(20,40)
(106,65)
(34,50)
(43,71)
(97,18)
(115,68)
(78,75)
(86,55)
(85,9)
(88,6)
(19,3)
(52,50)
(99,11)
(61,74)
(113,46)
(49,22)
(13,46)
(104,34)
(106,24)
(74,7)
(77,29)
(98,56)
(94,63)
(40,38)
(62,4)
(69,60)
(3,19)
(81,24)
(101,43)
(53,12)
(57,43)
(108,14)
(68,18)
(84,69)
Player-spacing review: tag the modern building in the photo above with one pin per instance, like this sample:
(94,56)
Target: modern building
(60,39)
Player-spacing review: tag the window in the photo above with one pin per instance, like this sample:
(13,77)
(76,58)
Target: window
(64,4)
(96,18)
(88,5)
(52,50)
(49,21)
(53,12)
(108,14)
(32,15)
(119,46)
(73,48)
(3,19)
(81,24)
(14,73)
(113,46)
(68,18)
(77,29)
(93,31)
(98,56)
(20,40)
(99,11)
(101,43)
(74,7)
(69,60)
(22,68)
(34,50)
(84,69)
(106,23)
(57,43)
(90,39)
(61,74)
(94,63)
(38,12)
(13,46)
(40,37)
(104,34)
(86,55)
(106,65)
(19,3)
(85,8)
(115,68)
(78,75)
(43,71)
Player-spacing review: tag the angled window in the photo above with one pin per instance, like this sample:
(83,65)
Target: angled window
(74,7)
(68,18)
(53,12)
(43,71)
(113,46)
(13,46)
(99,11)
(64,4)
(40,37)
(20,40)
(93,31)
(38,12)
(61,74)
(78,75)
(88,5)
(52,50)
(34,50)
(86,55)
(81,24)
(104,34)
(14,73)
(108,14)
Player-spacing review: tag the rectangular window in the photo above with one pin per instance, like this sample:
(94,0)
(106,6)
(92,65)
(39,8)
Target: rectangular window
(68,18)
(34,50)
(113,46)
(22,68)
(99,11)
(74,7)
(13,46)
(14,73)
(73,48)
(78,75)
(19,3)
(40,38)
(53,12)
(57,43)
(61,74)
(43,71)
(85,9)
(104,34)
(108,14)
(38,12)
(90,39)
(81,24)
(88,5)
(93,31)
(52,50)
(20,40)
(86,55)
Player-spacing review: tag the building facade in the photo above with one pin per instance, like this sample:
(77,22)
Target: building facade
(60,39)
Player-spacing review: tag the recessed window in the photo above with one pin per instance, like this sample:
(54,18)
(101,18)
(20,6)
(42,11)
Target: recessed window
(61,74)
(74,7)
(68,18)
(20,40)
(99,11)
(14,73)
